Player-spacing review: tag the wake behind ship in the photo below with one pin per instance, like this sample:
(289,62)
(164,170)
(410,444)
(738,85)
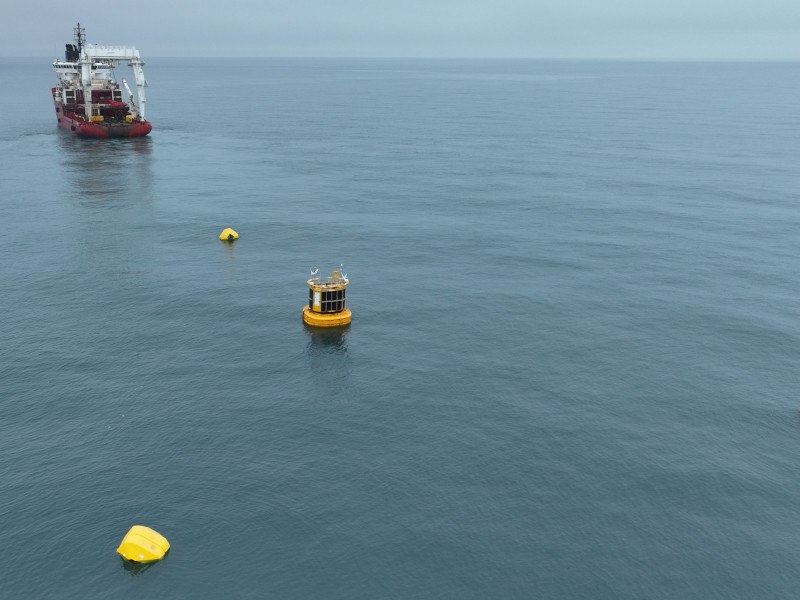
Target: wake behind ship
(88,99)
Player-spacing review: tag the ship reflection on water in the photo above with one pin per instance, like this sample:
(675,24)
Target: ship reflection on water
(72,144)
(107,170)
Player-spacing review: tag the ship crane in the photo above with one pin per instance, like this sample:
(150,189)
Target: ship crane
(90,54)
(130,94)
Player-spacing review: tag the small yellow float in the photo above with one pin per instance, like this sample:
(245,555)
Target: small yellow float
(326,300)
(228,235)
(143,545)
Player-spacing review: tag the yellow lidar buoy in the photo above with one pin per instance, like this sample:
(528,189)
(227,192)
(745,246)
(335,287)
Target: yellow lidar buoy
(228,235)
(327,305)
(142,545)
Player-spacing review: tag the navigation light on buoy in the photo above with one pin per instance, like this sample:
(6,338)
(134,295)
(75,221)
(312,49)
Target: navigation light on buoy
(326,300)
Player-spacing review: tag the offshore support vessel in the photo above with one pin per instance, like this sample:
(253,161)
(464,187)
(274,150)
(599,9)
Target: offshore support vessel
(88,99)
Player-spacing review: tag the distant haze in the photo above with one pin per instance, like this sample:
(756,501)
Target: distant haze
(635,29)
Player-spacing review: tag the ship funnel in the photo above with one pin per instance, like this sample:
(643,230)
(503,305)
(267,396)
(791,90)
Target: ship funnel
(72,54)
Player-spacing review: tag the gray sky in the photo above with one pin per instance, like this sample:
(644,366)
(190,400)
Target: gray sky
(637,29)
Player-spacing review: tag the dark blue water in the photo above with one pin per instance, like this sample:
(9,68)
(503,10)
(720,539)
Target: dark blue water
(572,370)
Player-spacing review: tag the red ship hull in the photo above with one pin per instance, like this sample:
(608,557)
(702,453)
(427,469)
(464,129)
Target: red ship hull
(77,123)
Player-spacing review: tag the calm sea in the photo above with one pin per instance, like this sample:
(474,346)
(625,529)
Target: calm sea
(573,365)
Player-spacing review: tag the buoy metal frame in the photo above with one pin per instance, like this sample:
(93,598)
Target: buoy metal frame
(327,301)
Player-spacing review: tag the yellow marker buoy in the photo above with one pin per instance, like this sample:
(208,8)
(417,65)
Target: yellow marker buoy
(228,235)
(142,544)
(327,302)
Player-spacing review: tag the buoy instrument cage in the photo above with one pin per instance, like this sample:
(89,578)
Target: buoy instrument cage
(327,303)
(143,545)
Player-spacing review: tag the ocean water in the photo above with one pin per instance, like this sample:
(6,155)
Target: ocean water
(572,370)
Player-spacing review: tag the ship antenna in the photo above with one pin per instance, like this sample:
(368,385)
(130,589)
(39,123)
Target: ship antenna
(80,36)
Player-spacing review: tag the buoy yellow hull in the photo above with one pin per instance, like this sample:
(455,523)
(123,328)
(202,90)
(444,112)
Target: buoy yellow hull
(143,545)
(228,235)
(327,319)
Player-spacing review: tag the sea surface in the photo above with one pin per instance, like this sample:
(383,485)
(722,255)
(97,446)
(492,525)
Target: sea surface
(573,365)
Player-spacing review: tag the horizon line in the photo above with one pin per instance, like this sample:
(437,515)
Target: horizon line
(455,58)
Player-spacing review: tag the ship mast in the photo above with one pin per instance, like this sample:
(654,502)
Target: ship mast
(86,70)
(80,36)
